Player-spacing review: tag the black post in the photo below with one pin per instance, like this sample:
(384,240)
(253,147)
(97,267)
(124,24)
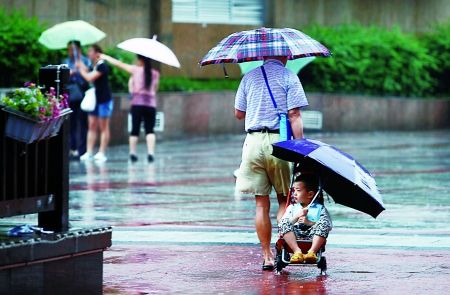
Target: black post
(58,182)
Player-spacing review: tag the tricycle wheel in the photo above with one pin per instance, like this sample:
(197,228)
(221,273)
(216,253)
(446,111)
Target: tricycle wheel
(322,264)
(279,265)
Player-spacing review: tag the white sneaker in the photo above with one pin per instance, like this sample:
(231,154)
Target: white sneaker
(86,157)
(100,157)
(74,153)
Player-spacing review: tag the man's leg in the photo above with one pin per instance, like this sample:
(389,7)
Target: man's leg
(264,227)
(281,206)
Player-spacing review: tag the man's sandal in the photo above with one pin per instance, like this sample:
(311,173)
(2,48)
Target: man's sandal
(267,266)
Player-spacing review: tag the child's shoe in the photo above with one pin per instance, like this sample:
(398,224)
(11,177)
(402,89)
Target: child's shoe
(297,258)
(310,257)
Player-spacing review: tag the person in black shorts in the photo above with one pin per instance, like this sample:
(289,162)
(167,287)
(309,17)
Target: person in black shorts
(143,86)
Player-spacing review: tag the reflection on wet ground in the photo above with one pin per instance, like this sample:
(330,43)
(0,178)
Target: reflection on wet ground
(180,228)
(231,269)
(194,179)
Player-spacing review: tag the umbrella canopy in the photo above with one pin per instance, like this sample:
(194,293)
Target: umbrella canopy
(294,65)
(343,178)
(59,35)
(151,48)
(255,44)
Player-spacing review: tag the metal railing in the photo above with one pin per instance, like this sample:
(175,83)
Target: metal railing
(34,178)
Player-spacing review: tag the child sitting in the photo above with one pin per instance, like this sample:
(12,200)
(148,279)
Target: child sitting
(295,223)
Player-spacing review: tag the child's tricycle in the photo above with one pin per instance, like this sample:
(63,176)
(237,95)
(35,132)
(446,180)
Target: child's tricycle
(341,177)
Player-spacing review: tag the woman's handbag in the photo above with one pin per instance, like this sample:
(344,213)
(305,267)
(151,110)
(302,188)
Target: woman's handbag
(89,101)
(285,125)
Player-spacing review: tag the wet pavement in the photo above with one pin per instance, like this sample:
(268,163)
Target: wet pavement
(181,229)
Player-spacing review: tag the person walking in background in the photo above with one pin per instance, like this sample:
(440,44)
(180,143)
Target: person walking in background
(98,119)
(143,86)
(76,87)
(259,170)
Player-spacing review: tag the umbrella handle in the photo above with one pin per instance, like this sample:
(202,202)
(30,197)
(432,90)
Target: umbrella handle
(315,197)
(225,71)
(75,52)
(319,190)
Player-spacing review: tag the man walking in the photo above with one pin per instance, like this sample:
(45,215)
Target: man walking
(259,170)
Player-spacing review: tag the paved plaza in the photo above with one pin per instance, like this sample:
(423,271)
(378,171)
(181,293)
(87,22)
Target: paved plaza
(179,227)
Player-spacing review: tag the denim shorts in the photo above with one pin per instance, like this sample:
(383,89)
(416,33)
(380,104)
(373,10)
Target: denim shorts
(103,110)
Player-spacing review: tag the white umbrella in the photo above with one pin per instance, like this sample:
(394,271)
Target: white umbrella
(151,48)
(59,35)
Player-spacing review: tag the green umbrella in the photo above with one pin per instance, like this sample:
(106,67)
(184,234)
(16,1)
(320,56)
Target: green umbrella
(59,35)
(294,65)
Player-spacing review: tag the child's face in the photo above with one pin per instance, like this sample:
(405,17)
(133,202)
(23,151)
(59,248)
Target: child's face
(301,194)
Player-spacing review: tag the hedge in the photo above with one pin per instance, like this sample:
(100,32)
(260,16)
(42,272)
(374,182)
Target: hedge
(20,53)
(438,43)
(370,60)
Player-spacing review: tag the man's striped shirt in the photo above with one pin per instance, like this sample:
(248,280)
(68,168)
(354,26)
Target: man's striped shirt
(253,98)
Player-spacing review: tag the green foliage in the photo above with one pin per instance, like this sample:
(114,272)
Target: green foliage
(185,84)
(370,60)
(20,53)
(118,78)
(438,43)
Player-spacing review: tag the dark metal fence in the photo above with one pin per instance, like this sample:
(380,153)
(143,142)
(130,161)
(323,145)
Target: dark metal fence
(34,178)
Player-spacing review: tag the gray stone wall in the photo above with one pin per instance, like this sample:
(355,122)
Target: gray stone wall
(211,113)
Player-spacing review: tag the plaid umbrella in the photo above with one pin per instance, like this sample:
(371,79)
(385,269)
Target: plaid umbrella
(255,44)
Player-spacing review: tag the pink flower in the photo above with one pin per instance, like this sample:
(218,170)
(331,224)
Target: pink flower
(29,84)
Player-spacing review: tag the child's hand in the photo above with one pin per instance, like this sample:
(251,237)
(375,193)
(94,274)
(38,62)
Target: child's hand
(300,213)
(305,220)
(300,216)
(305,211)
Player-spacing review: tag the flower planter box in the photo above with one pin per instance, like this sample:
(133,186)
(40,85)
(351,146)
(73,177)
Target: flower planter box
(25,129)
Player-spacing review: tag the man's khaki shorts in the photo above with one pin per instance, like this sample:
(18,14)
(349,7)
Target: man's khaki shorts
(259,170)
